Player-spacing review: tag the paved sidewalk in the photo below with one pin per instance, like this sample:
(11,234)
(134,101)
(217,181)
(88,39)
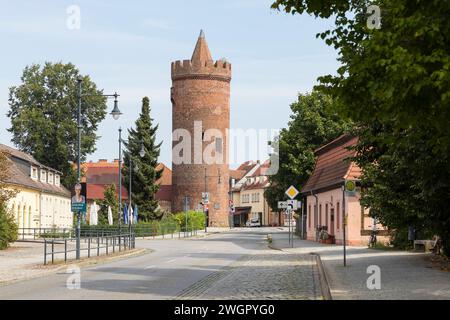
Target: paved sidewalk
(404,275)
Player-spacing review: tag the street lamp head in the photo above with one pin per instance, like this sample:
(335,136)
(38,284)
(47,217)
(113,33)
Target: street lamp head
(80,78)
(142,152)
(116,111)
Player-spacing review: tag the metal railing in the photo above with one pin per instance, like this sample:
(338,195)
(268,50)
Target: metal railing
(165,231)
(94,246)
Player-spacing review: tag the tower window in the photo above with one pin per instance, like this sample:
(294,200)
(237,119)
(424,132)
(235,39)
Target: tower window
(219,145)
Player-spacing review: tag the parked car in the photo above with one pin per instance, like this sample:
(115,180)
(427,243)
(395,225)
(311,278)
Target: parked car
(252,223)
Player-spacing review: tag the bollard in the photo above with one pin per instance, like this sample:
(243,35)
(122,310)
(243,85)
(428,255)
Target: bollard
(53,251)
(98,246)
(45,251)
(65,250)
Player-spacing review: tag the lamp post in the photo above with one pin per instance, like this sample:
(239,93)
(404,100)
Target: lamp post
(206,191)
(115,114)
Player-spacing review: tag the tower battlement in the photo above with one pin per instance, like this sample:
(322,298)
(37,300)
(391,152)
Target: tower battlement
(182,69)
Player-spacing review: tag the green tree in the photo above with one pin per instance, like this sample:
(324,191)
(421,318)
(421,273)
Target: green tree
(144,169)
(313,124)
(8,226)
(393,82)
(43,113)
(110,200)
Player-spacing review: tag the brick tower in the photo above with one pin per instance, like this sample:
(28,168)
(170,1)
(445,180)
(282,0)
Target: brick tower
(200,97)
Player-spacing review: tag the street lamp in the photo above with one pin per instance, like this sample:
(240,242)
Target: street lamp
(206,191)
(116,114)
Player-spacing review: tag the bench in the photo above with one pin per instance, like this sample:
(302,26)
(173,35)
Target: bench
(424,245)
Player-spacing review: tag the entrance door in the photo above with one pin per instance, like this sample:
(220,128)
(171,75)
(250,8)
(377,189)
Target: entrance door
(332,222)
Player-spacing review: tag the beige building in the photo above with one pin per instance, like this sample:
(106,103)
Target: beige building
(41,201)
(248,184)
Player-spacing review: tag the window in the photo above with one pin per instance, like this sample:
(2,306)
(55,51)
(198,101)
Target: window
(57,180)
(320,215)
(219,145)
(34,173)
(50,177)
(245,198)
(309,217)
(338,215)
(43,176)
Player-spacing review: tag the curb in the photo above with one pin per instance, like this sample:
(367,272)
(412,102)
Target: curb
(324,285)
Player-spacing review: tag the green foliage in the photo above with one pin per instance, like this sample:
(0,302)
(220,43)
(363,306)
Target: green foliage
(144,186)
(110,200)
(313,124)
(194,220)
(43,113)
(8,228)
(394,83)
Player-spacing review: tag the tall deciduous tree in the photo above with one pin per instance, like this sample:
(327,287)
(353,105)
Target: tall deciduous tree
(43,113)
(144,169)
(313,123)
(394,82)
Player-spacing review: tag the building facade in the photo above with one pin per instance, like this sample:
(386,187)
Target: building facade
(327,204)
(41,201)
(200,96)
(248,184)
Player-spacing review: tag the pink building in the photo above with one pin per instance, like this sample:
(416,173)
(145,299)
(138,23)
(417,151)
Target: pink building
(326,200)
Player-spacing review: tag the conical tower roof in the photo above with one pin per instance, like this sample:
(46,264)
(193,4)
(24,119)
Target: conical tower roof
(201,51)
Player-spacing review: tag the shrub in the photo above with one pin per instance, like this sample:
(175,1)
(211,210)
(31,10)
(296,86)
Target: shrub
(8,228)
(195,220)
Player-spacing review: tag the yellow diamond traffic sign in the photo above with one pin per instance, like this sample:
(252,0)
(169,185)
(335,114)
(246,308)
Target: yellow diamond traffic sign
(292,192)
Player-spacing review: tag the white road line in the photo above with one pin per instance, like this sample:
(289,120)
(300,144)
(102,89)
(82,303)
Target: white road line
(149,267)
(170,261)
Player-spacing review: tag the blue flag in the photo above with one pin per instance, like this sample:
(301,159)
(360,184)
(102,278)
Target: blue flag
(135,214)
(125,214)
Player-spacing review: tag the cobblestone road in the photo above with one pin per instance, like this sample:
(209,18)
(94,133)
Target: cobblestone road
(267,275)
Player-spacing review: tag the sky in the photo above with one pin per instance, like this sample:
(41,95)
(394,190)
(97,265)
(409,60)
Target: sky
(128,46)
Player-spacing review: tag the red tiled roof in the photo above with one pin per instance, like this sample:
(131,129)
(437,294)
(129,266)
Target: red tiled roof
(247,166)
(20,175)
(237,174)
(99,175)
(96,191)
(332,165)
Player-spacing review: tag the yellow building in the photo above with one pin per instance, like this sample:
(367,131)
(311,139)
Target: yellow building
(41,201)
(248,184)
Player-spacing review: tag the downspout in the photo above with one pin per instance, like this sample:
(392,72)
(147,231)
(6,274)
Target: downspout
(316,208)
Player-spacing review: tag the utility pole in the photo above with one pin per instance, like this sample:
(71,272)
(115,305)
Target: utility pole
(78,231)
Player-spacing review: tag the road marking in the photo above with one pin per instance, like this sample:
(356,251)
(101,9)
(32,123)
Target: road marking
(170,261)
(149,267)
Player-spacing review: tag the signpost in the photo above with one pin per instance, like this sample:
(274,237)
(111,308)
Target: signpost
(290,206)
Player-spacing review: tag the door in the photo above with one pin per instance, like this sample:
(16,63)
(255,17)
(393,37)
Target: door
(332,222)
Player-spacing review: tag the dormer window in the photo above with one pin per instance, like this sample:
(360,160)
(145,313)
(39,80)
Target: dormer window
(50,177)
(34,173)
(43,175)
(57,180)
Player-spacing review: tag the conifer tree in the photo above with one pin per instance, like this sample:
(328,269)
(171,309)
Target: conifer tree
(143,167)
